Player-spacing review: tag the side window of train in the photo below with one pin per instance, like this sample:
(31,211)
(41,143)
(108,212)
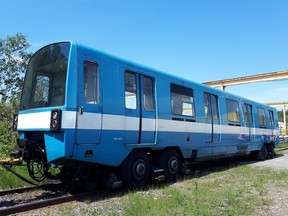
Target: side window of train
(261,117)
(211,106)
(91,94)
(233,110)
(182,100)
(148,94)
(130,90)
(271,118)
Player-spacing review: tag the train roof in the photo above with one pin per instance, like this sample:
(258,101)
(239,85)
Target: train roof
(139,67)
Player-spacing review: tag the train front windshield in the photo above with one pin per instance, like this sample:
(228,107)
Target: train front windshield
(45,79)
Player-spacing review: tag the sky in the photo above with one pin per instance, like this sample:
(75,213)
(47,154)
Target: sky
(199,40)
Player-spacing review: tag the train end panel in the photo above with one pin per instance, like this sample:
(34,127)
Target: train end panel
(52,131)
(57,148)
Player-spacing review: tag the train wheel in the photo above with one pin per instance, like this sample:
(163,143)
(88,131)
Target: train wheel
(170,162)
(271,152)
(263,153)
(135,170)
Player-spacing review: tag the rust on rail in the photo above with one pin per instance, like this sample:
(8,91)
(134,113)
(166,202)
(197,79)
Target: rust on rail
(11,161)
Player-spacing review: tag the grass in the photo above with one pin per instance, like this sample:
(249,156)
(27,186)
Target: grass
(9,180)
(240,190)
(279,147)
(229,192)
(282,145)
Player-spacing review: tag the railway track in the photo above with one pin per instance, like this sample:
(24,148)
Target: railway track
(44,203)
(18,200)
(17,190)
(44,196)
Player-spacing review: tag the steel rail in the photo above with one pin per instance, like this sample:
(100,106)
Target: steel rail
(30,188)
(44,203)
(17,190)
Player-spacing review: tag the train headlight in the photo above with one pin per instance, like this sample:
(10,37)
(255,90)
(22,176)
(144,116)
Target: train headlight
(15,122)
(55,124)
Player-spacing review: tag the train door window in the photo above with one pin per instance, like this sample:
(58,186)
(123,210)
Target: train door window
(182,101)
(261,117)
(42,88)
(213,100)
(130,91)
(271,118)
(207,106)
(91,95)
(148,94)
(233,110)
(248,114)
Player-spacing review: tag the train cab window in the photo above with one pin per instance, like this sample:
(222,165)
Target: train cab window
(130,91)
(45,79)
(91,82)
(42,88)
(261,117)
(233,110)
(182,101)
(148,94)
(271,118)
(211,106)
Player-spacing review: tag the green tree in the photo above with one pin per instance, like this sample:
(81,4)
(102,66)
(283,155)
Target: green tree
(13,62)
(280,115)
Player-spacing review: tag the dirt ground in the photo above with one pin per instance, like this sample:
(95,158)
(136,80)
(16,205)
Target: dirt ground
(279,198)
(280,162)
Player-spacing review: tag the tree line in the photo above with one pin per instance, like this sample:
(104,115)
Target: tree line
(280,115)
(14,59)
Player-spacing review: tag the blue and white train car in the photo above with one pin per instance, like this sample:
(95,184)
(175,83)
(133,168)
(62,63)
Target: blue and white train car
(87,111)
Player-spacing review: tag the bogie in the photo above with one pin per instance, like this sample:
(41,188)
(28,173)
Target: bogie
(170,162)
(135,169)
(266,152)
(262,154)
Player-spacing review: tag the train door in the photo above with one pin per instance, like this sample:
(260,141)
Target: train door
(249,121)
(212,117)
(89,121)
(140,119)
(271,121)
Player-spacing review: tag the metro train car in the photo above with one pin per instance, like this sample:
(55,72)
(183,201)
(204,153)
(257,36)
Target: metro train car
(99,118)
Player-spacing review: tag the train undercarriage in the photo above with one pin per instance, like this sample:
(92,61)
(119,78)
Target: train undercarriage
(140,167)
